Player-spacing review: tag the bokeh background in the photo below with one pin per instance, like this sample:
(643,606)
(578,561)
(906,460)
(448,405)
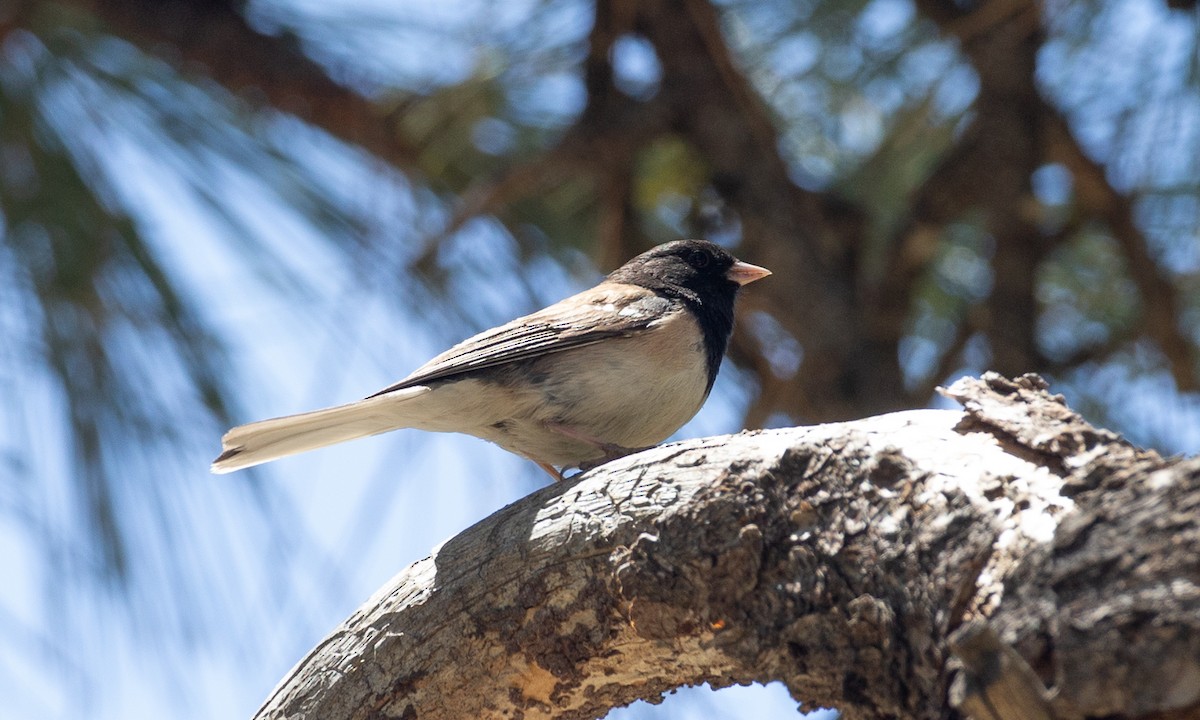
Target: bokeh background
(215,211)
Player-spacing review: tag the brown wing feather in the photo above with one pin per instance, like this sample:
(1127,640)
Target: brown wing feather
(607,310)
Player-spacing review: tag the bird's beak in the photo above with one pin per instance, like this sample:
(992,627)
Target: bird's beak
(744,273)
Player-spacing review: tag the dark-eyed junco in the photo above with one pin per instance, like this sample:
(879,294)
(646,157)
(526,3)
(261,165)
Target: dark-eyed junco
(592,377)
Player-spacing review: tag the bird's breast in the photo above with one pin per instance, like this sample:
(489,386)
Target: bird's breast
(630,391)
(633,391)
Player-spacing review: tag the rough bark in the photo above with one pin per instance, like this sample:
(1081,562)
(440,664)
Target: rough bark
(843,560)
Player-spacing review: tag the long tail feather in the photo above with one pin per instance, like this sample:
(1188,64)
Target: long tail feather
(259,442)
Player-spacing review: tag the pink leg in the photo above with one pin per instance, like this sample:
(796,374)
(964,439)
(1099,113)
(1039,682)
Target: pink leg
(549,469)
(611,451)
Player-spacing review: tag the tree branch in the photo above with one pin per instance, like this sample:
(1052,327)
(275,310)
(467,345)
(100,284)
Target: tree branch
(811,239)
(1024,130)
(837,559)
(251,64)
(1160,303)
(1002,39)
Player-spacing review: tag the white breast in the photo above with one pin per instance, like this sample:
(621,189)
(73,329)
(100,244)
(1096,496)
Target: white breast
(632,392)
(629,391)
(653,383)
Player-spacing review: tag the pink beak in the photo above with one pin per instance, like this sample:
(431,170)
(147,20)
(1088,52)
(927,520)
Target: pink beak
(744,273)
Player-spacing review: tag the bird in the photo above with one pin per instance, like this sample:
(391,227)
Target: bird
(606,372)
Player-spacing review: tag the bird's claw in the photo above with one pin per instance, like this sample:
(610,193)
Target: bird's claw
(611,452)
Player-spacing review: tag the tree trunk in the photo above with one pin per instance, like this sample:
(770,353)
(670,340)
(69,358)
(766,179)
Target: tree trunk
(923,564)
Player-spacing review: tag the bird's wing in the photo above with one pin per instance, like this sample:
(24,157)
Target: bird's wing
(607,310)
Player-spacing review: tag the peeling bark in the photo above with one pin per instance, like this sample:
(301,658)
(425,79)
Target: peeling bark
(842,560)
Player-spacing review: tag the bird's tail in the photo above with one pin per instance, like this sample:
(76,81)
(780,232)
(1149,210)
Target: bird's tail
(266,440)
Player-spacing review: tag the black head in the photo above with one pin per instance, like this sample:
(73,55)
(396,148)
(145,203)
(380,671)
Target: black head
(702,275)
(695,265)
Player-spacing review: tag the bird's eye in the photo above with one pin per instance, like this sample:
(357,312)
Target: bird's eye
(699,259)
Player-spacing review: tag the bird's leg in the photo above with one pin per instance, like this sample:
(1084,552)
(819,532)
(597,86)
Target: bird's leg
(553,472)
(611,451)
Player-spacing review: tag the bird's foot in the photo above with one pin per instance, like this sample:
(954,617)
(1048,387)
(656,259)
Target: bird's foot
(611,452)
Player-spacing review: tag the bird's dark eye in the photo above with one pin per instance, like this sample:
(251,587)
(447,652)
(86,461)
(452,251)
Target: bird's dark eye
(699,259)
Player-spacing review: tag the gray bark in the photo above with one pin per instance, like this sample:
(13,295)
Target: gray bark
(844,560)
